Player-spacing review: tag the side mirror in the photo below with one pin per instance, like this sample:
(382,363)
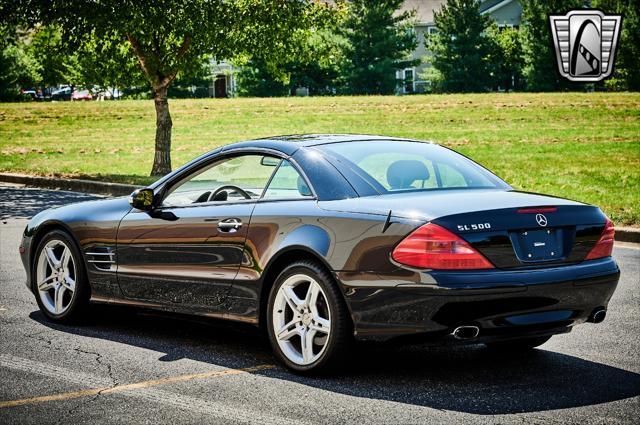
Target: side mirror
(142,199)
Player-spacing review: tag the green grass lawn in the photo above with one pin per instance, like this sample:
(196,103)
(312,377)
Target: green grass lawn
(579,146)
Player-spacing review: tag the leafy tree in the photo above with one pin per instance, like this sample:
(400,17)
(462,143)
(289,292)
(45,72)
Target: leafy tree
(168,37)
(18,68)
(255,79)
(103,64)
(540,69)
(319,67)
(432,76)
(55,62)
(41,58)
(379,43)
(315,66)
(461,47)
(627,66)
(507,57)
(193,85)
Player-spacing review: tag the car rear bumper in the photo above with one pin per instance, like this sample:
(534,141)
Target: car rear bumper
(501,303)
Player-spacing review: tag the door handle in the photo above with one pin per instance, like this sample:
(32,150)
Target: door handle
(230,224)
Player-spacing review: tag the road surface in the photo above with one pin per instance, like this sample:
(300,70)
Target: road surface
(130,366)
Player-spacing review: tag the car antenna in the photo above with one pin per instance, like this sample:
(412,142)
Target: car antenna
(387,222)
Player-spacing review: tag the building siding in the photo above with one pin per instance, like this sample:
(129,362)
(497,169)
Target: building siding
(509,14)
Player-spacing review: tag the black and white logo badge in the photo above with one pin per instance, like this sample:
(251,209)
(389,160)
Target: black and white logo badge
(585,42)
(541,219)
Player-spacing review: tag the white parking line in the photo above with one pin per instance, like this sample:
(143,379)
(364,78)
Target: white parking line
(143,390)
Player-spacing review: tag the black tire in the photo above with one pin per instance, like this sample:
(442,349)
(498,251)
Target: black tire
(80,299)
(522,344)
(340,338)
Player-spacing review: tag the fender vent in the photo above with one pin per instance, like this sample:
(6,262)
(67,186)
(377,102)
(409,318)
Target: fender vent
(102,257)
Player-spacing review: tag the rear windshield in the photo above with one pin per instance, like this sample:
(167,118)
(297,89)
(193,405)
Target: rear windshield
(394,166)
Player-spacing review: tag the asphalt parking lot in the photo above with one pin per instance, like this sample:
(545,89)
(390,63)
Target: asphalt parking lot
(127,366)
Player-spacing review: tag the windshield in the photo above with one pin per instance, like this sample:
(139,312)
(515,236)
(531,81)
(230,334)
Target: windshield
(394,166)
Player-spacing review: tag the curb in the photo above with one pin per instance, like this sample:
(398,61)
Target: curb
(623,234)
(627,234)
(76,185)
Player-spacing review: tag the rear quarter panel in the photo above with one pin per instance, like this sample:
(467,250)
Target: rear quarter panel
(352,245)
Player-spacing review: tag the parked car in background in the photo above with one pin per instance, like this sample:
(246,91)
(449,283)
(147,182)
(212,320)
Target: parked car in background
(31,94)
(112,93)
(81,95)
(28,94)
(63,93)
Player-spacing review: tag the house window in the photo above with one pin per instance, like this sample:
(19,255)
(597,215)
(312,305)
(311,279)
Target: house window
(502,27)
(432,30)
(408,80)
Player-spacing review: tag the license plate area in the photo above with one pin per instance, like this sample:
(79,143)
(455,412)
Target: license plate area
(538,245)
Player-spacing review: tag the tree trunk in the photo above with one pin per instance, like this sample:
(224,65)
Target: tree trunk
(162,158)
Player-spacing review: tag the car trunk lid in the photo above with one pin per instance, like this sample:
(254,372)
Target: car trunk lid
(511,229)
(530,237)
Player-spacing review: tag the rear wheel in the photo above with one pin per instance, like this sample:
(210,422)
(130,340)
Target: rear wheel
(307,319)
(522,344)
(59,281)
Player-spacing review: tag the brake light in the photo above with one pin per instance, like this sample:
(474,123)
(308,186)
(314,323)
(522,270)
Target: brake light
(604,246)
(541,210)
(434,247)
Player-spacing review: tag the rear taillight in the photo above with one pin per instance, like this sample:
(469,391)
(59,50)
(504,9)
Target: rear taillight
(433,247)
(604,246)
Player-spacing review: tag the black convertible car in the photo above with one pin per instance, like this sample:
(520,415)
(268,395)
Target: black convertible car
(322,238)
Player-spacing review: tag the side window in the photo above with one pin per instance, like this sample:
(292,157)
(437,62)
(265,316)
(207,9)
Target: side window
(450,177)
(231,179)
(287,183)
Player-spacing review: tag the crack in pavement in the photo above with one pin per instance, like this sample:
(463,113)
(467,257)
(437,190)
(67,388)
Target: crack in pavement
(212,409)
(37,336)
(99,360)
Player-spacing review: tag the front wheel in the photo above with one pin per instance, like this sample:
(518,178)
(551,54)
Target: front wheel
(59,281)
(523,344)
(307,319)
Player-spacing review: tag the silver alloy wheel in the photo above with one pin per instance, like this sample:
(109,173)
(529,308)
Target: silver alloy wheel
(301,319)
(56,276)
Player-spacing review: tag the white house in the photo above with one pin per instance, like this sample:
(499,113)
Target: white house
(223,79)
(506,13)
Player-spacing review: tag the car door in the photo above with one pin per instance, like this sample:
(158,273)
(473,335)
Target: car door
(188,250)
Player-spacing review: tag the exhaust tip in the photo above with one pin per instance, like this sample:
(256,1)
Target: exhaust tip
(466,332)
(598,315)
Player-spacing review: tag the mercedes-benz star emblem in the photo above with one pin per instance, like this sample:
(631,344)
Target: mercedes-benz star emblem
(541,219)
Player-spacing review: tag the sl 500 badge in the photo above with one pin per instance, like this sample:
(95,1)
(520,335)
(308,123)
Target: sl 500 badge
(477,226)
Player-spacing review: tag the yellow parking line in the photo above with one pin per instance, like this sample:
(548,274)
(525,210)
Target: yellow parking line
(137,385)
